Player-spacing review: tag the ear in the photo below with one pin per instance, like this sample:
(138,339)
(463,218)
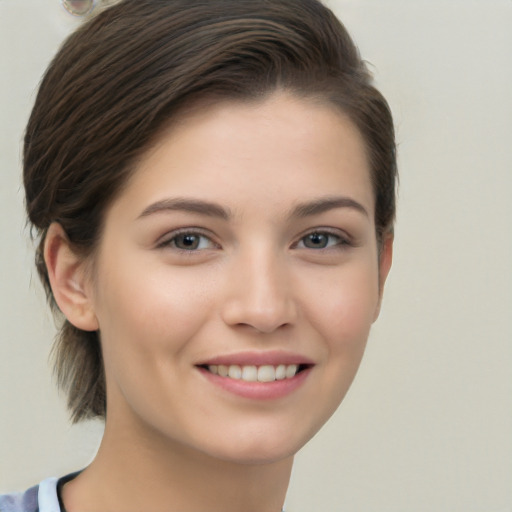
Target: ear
(68,279)
(385,260)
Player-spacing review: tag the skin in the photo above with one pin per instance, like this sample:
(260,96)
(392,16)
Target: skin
(254,283)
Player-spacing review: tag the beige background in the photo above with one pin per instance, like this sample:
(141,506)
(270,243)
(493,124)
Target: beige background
(427,425)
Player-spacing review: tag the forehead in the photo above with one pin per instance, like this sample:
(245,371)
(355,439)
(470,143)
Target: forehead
(272,151)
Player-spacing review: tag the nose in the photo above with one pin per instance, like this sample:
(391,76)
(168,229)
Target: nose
(259,294)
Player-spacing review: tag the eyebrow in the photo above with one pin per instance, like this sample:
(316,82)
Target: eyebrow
(210,209)
(189,205)
(325,204)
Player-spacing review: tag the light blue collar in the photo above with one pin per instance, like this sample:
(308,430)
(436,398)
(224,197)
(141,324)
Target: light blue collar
(47,495)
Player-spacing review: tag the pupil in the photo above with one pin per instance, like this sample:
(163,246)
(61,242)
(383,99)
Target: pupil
(189,241)
(317,240)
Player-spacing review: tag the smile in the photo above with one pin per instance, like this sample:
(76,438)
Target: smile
(256,375)
(251,373)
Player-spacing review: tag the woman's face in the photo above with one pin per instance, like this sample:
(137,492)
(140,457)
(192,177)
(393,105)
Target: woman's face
(244,244)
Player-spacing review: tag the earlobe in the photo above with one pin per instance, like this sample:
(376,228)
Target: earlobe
(385,260)
(68,279)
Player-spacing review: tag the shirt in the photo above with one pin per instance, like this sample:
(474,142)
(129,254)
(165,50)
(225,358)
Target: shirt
(40,498)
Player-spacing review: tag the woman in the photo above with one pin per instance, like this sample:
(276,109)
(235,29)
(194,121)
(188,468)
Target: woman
(212,185)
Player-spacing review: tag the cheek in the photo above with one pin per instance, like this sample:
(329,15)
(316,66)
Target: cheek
(151,310)
(147,320)
(347,321)
(341,309)
(346,307)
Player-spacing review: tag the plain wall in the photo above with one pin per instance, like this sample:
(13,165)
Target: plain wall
(427,425)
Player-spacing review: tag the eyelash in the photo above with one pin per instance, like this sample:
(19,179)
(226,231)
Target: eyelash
(340,242)
(170,241)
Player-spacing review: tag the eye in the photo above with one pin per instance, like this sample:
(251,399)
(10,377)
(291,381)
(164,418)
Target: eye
(320,240)
(188,241)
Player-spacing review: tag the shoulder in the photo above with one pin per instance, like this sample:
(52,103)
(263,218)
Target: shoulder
(20,501)
(40,498)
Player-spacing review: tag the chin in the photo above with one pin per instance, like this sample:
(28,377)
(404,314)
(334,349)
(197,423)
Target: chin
(264,446)
(256,454)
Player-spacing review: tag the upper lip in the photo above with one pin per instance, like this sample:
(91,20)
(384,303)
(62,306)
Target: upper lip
(274,358)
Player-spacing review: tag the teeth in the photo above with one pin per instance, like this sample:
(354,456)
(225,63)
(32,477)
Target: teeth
(235,372)
(281,372)
(250,373)
(264,373)
(291,370)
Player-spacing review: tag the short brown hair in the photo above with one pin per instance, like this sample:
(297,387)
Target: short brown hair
(125,74)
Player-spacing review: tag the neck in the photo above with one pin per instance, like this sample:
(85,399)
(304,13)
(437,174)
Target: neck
(131,473)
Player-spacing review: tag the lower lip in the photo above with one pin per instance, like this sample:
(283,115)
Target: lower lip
(258,390)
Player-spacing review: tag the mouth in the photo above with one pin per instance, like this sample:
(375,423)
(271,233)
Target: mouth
(252,373)
(268,375)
